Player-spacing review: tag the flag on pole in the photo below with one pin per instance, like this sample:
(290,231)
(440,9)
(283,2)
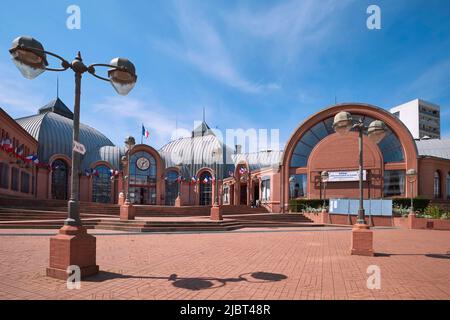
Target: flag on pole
(145,132)
(19,150)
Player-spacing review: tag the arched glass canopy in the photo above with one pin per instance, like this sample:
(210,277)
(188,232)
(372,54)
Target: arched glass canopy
(390,146)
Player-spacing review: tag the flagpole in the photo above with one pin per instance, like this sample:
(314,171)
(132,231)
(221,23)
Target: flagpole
(142,136)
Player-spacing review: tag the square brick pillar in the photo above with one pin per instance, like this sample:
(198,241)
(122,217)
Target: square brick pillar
(72,246)
(216,213)
(127,211)
(325,217)
(411,220)
(362,240)
(178,202)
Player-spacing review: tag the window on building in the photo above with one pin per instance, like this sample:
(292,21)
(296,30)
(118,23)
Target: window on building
(142,178)
(390,146)
(205,189)
(172,186)
(437,184)
(142,172)
(448,185)
(15,179)
(24,182)
(297,186)
(226,195)
(394,183)
(101,185)
(265,190)
(60,177)
(4,175)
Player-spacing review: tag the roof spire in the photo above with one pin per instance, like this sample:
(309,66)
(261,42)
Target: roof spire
(203,114)
(57,86)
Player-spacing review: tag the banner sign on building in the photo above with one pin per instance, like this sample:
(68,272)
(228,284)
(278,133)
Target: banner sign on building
(342,176)
(79,148)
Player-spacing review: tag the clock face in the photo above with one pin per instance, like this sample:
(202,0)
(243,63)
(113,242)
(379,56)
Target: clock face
(142,163)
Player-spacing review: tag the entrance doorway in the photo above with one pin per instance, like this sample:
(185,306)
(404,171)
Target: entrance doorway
(255,193)
(143,195)
(243,200)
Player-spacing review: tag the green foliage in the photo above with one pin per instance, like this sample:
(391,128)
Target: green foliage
(419,203)
(400,211)
(433,211)
(302,205)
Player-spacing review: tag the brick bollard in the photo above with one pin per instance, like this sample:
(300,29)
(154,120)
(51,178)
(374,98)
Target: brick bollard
(127,211)
(362,240)
(72,246)
(216,213)
(178,202)
(325,217)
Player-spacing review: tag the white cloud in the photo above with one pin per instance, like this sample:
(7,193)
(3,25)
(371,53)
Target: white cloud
(203,47)
(159,120)
(293,25)
(432,83)
(18,96)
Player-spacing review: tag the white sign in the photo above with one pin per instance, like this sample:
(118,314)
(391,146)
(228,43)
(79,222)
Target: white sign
(341,176)
(78,147)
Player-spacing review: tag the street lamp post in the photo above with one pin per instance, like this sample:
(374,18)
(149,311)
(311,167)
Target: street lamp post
(127,210)
(178,201)
(216,210)
(412,175)
(73,245)
(325,214)
(324,179)
(362,237)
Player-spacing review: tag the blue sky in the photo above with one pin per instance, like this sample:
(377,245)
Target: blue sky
(251,64)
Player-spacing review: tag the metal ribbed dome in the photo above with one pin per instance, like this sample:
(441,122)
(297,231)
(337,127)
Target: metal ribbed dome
(196,152)
(53,131)
(261,159)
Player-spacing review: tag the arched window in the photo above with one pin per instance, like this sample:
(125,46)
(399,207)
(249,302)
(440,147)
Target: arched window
(172,186)
(101,185)
(437,184)
(205,189)
(448,185)
(60,178)
(142,178)
(390,146)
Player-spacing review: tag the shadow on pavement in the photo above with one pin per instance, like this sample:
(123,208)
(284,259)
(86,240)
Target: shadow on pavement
(194,283)
(429,255)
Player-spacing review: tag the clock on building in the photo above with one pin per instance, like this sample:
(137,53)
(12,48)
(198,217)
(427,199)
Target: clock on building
(142,163)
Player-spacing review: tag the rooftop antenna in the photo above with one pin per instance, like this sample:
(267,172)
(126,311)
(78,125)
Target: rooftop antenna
(203,114)
(57,87)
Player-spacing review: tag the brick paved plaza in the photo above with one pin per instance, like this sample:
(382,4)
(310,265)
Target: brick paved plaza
(297,263)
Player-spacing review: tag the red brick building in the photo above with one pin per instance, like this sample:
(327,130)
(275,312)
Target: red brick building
(189,167)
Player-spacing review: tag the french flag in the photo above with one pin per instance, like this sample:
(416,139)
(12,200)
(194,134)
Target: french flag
(145,132)
(7,145)
(33,158)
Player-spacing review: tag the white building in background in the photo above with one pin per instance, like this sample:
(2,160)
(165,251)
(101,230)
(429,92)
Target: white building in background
(422,118)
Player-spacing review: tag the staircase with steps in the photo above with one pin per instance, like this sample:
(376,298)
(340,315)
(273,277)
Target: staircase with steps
(57,205)
(114,209)
(267,221)
(192,211)
(52,221)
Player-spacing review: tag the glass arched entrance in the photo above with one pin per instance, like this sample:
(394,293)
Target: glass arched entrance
(101,185)
(142,178)
(205,189)
(171,187)
(60,177)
